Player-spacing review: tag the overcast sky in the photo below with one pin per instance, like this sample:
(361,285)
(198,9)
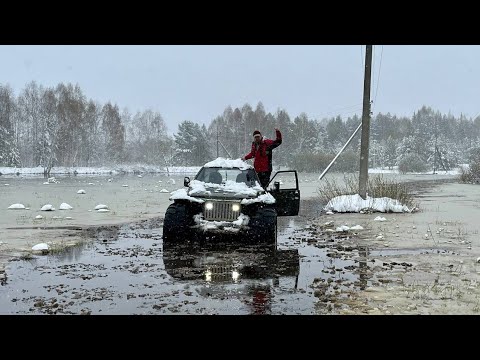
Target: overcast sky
(196,83)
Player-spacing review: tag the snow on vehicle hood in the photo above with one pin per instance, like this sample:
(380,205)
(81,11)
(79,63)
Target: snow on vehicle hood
(229,163)
(181,194)
(265,198)
(200,188)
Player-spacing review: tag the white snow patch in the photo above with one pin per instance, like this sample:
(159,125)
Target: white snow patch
(46,183)
(17,207)
(171,181)
(181,194)
(47,207)
(103,210)
(355,203)
(329,212)
(91,184)
(228,163)
(379,218)
(101,206)
(38,217)
(139,176)
(357,227)
(65,206)
(68,218)
(81,191)
(41,246)
(7,184)
(232,226)
(199,187)
(342,228)
(164,191)
(265,198)
(125,185)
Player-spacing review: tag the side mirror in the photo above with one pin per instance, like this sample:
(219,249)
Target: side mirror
(186,181)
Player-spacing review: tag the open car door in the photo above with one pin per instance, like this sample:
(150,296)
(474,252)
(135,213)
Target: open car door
(284,188)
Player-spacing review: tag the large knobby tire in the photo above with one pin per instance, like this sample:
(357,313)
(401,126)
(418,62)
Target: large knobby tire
(264,226)
(176,224)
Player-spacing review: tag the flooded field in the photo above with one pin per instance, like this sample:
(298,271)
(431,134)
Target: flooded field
(125,269)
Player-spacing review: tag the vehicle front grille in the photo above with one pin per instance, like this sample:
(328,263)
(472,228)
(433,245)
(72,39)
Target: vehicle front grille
(222,211)
(220,272)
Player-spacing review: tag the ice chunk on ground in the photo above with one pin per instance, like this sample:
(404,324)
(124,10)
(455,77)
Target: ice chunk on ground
(101,206)
(65,206)
(103,210)
(164,191)
(17,207)
(47,207)
(41,246)
(357,227)
(81,191)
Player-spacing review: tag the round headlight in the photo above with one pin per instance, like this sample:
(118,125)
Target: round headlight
(236,207)
(209,206)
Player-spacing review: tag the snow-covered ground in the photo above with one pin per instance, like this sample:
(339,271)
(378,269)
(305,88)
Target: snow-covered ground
(107,170)
(130,169)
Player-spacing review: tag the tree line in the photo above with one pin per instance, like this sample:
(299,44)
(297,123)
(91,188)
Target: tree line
(60,126)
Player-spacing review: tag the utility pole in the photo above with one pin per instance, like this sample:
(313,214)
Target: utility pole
(435,152)
(363,179)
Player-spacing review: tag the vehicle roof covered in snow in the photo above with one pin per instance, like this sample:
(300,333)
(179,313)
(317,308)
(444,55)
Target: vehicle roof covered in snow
(228,163)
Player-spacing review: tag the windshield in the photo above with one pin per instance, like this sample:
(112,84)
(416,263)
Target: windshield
(217,175)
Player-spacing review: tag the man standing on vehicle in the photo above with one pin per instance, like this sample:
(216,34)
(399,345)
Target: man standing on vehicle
(262,152)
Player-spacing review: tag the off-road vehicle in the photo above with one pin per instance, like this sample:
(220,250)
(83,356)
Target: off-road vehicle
(226,197)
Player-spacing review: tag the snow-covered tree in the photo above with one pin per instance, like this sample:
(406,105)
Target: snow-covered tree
(114,134)
(48,130)
(9,155)
(192,145)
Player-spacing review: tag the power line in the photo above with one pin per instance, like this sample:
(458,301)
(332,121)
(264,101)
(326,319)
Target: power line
(361,55)
(473,118)
(373,69)
(378,78)
(336,111)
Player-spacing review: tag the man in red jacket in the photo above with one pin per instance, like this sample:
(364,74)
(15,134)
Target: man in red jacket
(262,152)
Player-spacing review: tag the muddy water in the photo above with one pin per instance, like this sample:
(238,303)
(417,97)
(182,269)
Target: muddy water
(126,270)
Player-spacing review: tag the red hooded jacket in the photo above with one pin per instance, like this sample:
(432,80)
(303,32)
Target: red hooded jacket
(262,152)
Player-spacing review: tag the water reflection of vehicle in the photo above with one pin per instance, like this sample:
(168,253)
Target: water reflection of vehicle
(229,262)
(259,267)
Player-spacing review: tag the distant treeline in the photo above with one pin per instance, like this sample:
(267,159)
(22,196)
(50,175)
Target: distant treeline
(60,126)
